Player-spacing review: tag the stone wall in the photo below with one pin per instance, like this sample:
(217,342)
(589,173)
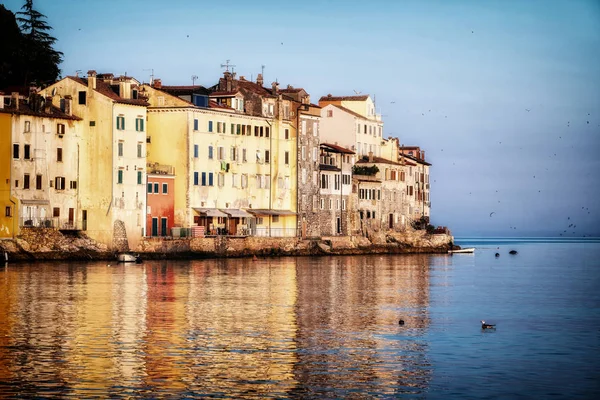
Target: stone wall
(49,244)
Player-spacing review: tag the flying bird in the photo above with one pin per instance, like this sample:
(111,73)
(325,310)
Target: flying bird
(493,212)
(527,109)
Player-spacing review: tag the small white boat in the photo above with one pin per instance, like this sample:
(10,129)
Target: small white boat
(467,250)
(127,257)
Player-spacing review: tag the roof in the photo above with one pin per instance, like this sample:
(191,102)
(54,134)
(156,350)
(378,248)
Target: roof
(107,90)
(214,104)
(24,109)
(254,87)
(415,159)
(183,89)
(327,167)
(224,93)
(349,111)
(291,90)
(337,149)
(380,160)
(344,98)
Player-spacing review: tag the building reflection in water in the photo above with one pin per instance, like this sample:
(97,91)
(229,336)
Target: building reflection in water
(305,327)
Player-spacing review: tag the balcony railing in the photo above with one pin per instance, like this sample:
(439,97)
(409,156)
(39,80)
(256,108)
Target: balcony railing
(53,222)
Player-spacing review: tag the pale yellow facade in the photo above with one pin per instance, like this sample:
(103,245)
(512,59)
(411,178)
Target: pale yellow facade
(224,161)
(112,154)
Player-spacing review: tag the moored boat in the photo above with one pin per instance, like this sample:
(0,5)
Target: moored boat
(467,250)
(127,257)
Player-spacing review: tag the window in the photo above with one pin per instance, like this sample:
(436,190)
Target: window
(210,179)
(324,181)
(365,126)
(73,184)
(204,179)
(139,177)
(303,176)
(303,152)
(26,181)
(195,124)
(119,177)
(210,126)
(221,179)
(315,178)
(139,150)
(221,153)
(195,151)
(315,154)
(234,153)
(330,204)
(82,97)
(244,158)
(303,127)
(56,212)
(165,187)
(343,204)
(287,134)
(195,178)
(120,123)
(150,188)
(267,156)
(275,218)
(329,113)
(248,130)
(267,181)
(15,150)
(38,182)
(59,154)
(156,188)
(336,182)
(262,128)
(120,148)
(234,179)
(139,124)
(244,181)
(238,129)
(259,183)
(287,158)
(322,204)
(266,131)
(27,127)
(60,129)
(8,211)
(256,131)
(218,127)
(358,128)
(26,152)
(59,183)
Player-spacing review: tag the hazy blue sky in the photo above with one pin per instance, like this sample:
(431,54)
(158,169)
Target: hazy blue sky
(461,76)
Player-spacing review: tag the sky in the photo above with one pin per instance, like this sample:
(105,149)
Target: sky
(503,96)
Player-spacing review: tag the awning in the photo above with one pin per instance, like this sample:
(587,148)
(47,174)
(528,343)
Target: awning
(210,212)
(264,211)
(236,213)
(35,202)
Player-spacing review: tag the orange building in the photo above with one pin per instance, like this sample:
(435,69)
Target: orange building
(160,213)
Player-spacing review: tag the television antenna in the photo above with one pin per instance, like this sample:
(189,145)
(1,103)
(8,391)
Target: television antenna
(194,79)
(227,66)
(151,75)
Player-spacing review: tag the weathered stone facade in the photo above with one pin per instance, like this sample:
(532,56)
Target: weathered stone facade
(308,175)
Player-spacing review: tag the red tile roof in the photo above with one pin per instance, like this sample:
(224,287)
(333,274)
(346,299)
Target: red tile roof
(337,149)
(24,109)
(224,93)
(214,104)
(344,98)
(380,160)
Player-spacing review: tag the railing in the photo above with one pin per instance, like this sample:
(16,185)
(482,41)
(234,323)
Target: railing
(53,222)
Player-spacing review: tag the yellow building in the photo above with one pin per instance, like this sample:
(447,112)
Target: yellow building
(39,166)
(112,150)
(235,170)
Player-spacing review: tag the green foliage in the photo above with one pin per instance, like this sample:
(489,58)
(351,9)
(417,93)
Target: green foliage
(27,56)
(361,170)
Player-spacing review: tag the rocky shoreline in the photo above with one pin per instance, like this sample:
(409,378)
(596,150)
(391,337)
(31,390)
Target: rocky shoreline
(48,244)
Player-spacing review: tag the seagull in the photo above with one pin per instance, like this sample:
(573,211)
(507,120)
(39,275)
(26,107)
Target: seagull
(392,102)
(356,91)
(527,109)
(487,326)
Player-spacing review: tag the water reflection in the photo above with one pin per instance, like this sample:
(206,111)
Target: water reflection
(323,327)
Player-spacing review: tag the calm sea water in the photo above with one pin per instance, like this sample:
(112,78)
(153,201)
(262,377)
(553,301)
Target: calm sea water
(309,327)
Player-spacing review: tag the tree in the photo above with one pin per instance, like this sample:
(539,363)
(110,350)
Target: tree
(40,60)
(10,45)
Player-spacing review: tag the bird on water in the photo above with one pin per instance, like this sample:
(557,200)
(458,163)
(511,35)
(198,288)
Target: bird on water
(401,322)
(487,326)
(512,252)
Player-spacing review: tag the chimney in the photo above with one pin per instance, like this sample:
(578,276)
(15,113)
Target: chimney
(228,81)
(157,83)
(14,100)
(92,79)
(259,80)
(68,100)
(423,155)
(370,156)
(124,87)
(275,86)
(48,104)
